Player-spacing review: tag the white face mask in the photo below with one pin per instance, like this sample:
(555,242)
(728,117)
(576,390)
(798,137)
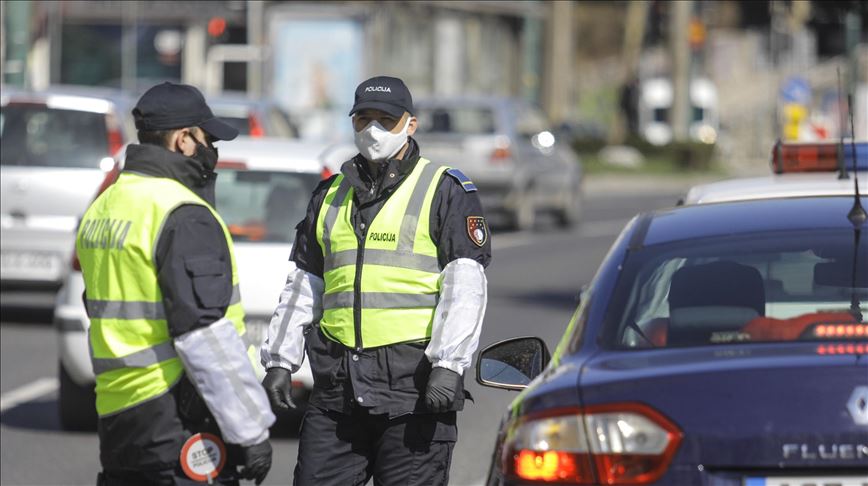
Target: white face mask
(376,144)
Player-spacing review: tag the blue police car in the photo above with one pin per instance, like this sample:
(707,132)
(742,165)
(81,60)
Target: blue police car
(718,344)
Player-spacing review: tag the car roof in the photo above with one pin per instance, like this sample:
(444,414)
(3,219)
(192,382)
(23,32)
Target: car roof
(744,217)
(773,186)
(274,154)
(74,95)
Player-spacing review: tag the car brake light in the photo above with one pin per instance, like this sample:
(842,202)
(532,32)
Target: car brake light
(608,444)
(255,127)
(817,157)
(113,132)
(231,164)
(841,331)
(502,153)
(326,173)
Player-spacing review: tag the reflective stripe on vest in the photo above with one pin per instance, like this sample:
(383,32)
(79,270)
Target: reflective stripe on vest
(398,269)
(132,350)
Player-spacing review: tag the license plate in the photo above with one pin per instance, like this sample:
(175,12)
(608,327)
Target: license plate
(29,265)
(808,481)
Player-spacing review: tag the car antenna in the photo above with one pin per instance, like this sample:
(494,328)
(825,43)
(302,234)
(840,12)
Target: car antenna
(857,216)
(842,163)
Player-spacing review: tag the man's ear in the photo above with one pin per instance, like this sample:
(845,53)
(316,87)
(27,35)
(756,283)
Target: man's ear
(411,129)
(185,143)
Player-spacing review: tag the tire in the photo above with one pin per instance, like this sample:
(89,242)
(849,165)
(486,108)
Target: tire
(570,214)
(77,404)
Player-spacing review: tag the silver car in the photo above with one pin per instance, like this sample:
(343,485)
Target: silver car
(57,146)
(506,147)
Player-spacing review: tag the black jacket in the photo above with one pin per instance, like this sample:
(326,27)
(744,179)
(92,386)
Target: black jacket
(150,435)
(390,379)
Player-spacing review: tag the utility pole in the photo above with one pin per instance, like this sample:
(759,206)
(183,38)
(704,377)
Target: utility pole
(255,19)
(680,49)
(559,61)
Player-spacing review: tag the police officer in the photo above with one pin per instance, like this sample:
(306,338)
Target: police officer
(167,328)
(387,298)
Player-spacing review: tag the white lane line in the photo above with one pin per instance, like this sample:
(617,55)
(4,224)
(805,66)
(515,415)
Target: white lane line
(591,229)
(36,389)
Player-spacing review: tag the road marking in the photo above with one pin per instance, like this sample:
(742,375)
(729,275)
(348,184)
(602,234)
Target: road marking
(590,229)
(36,389)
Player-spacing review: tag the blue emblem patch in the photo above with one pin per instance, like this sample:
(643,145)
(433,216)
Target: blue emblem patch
(462,179)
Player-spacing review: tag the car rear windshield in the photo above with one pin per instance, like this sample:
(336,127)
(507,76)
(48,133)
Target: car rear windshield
(38,136)
(263,206)
(754,288)
(456,120)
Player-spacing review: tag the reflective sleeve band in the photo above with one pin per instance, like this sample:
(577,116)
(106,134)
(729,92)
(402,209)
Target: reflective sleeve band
(125,309)
(140,359)
(380,300)
(410,261)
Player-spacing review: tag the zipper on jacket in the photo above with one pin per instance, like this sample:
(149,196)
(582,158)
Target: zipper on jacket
(357,291)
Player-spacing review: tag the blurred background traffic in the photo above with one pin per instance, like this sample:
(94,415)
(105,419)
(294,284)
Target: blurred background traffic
(568,116)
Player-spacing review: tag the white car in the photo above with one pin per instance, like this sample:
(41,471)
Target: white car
(801,170)
(57,146)
(262,192)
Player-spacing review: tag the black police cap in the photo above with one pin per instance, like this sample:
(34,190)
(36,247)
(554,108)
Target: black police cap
(384,93)
(170,106)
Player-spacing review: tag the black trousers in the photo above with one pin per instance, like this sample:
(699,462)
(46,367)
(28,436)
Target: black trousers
(348,449)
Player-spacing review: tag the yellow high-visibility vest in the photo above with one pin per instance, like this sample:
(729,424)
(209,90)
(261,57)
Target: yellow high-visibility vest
(132,352)
(393,277)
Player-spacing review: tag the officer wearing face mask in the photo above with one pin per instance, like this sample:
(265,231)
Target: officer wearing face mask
(387,297)
(167,333)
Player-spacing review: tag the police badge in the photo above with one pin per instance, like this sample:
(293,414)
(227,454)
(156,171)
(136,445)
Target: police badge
(476,230)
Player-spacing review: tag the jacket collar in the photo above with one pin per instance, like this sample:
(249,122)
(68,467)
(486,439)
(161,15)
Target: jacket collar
(392,172)
(156,161)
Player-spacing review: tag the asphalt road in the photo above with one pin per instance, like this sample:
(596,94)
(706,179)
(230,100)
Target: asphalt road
(533,280)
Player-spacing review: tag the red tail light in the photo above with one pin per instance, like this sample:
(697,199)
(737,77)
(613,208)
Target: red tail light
(231,164)
(502,152)
(626,443)
(113,132)
(326,173)
(255,127)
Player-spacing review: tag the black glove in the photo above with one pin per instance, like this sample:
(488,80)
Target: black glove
(278,388)
(443,386)
(256,461)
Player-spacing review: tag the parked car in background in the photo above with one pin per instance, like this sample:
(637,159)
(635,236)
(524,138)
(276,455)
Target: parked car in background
(253,117)
(262,190)
(57,146)
(507,148)
(718,344)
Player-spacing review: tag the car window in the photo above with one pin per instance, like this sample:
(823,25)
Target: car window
(263,206)
(779,287)
(35,135)
(279,124)
(456,120)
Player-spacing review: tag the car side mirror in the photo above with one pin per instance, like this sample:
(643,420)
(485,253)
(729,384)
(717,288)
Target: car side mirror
(513,363)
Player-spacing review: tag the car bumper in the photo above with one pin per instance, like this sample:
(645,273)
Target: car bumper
(34,259)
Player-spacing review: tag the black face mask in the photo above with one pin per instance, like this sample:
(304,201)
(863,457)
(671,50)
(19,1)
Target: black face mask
(207,155)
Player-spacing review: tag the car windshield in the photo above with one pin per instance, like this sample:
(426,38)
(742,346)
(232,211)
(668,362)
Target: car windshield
(456,120)
(263,206)
(35,135)
(750,288)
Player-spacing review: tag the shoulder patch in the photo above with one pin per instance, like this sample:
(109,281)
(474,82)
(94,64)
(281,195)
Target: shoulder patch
(462,179)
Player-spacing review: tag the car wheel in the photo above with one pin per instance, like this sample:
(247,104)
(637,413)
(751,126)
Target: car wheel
(77,404)
(524,215)
(571,213)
